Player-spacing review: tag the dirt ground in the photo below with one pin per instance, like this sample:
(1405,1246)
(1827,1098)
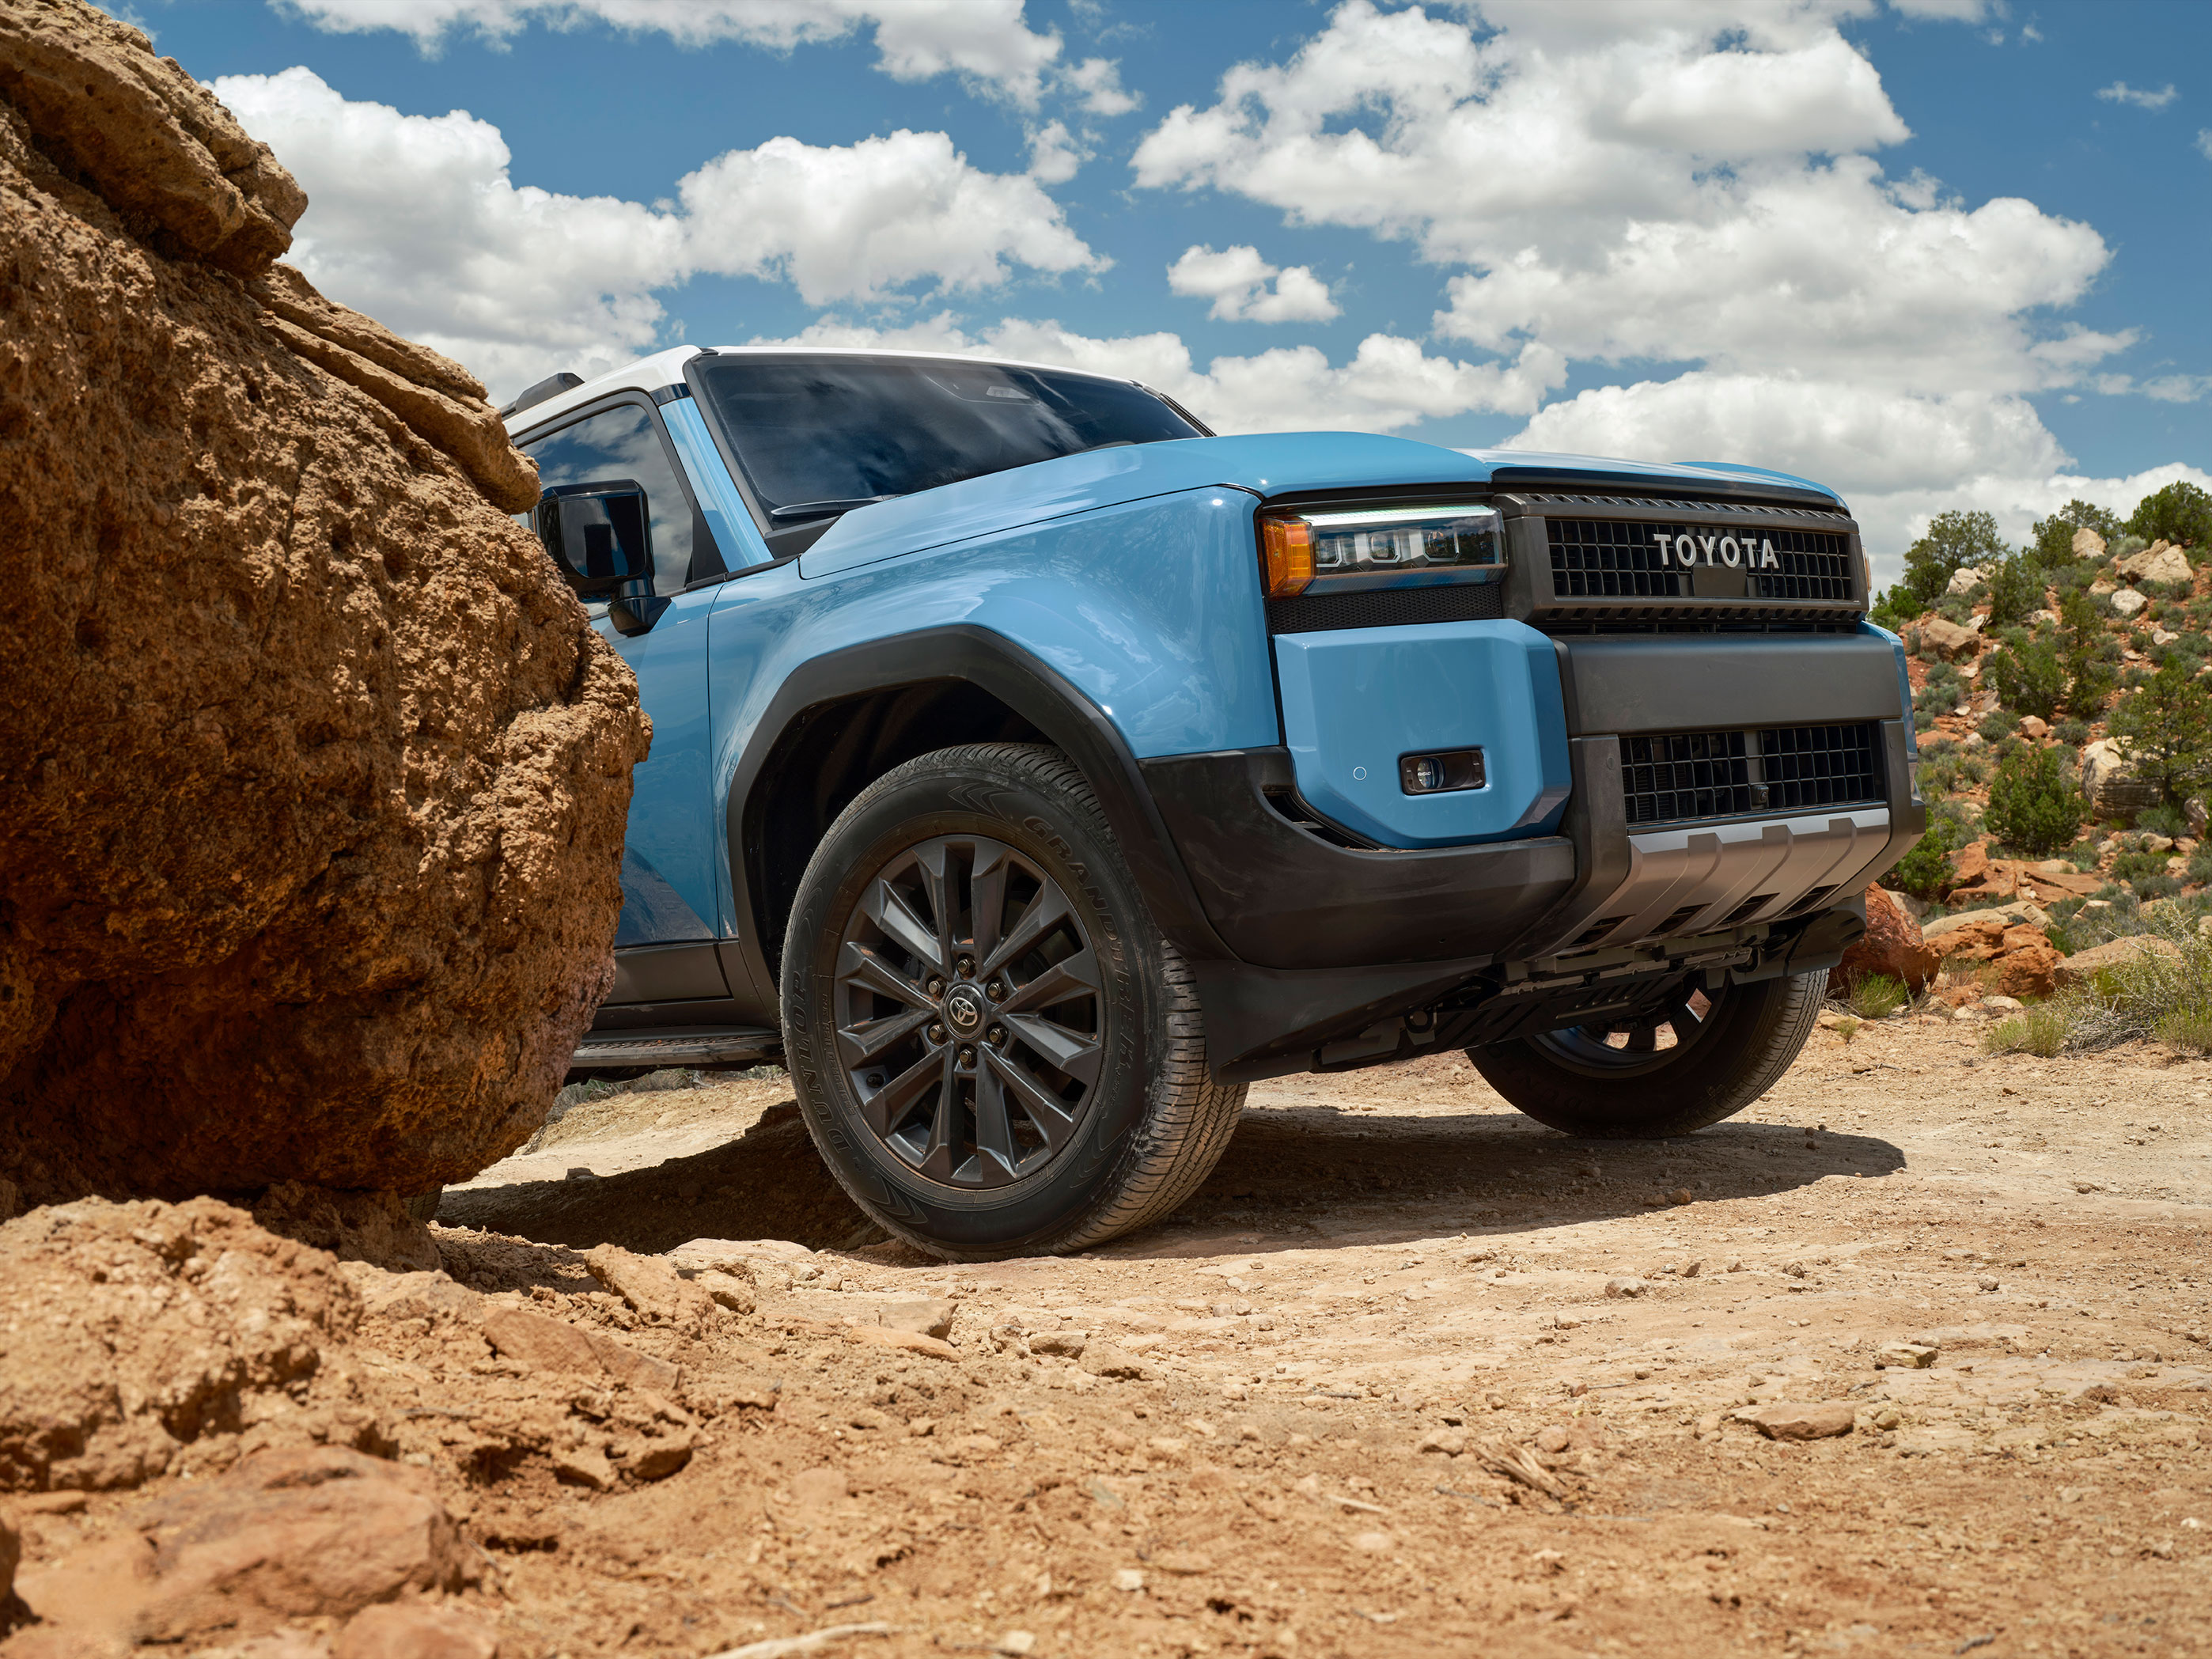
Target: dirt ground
(1411,1376)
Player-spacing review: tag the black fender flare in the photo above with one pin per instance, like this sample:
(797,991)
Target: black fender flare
(1039,695)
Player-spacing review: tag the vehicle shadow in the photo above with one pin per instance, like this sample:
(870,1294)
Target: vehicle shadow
(1298,1177)
(1295,1177)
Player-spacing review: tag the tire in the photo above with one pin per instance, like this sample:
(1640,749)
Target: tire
(1034,1135)
(1723,1059)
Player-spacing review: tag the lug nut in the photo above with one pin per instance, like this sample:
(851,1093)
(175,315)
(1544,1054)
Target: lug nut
(936,986)
(999,1033)
(967,1056)
(995,991)
(937,1034)
(967,966)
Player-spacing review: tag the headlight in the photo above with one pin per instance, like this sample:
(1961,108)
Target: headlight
(1376,547)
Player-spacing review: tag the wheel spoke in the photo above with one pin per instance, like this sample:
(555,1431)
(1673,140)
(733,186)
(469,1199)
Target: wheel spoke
(1077,975)
(887,907)
(934,861)
(994,1133)
(942,1154)
(863,965)
(1047,1112)
(987,897)
(858,1044)
(889,1104)
(1045,911)
(1072,1052)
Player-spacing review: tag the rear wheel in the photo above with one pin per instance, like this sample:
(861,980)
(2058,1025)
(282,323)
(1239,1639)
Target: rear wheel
(1697,1059)
(995,1050)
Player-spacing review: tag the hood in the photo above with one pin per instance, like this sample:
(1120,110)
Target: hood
(1264,464)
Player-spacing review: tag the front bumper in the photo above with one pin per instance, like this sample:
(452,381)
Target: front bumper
(1333,939)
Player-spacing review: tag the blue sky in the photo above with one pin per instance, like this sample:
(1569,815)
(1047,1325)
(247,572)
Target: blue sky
(1949,253)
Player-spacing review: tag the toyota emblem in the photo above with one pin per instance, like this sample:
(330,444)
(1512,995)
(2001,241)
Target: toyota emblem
(962,1010)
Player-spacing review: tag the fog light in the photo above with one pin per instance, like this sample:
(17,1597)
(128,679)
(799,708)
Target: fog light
(1440,773)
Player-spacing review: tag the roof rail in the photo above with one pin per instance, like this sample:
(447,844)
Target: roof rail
(551,387)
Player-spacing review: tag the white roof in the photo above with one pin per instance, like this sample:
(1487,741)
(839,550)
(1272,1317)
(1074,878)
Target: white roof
(665,368)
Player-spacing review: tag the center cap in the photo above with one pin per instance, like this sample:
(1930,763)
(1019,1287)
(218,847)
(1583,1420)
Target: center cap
(964,1009)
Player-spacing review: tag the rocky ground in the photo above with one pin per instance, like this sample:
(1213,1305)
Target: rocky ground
(1411,1376)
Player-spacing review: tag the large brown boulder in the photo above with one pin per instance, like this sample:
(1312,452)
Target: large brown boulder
(1891,945)
(312,776)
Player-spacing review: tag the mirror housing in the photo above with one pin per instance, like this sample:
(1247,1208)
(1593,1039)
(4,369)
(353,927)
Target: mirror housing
(599,537)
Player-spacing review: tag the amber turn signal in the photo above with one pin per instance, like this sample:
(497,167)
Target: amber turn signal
(1286,556)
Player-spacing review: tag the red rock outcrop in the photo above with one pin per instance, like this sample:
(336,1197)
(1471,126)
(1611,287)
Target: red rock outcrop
(313,777)
(2023,963)
(1891,945)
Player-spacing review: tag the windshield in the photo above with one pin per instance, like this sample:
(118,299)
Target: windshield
(818,435)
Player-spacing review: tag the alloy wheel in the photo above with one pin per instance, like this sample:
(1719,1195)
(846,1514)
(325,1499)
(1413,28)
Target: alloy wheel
(970,1012)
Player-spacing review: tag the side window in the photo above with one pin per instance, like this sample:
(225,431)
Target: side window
(621,443)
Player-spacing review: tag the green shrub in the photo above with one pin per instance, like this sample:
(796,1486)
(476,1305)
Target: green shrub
(2200,865)
(2041,1030)
(1876,996)
(1923,871)
(2179,513)
(2031,679)
(2052,539)
(1954,540)
(1944,766)
(2082,855)
(2161,821)
(2190,1029)
(1895,608)
(2015,590)
(2032,804)
(2166,723)
(2081,647)
(2072,734)
(1998,725)
(2137,868)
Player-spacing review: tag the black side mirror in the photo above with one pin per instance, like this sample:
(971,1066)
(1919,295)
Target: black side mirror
(599,536)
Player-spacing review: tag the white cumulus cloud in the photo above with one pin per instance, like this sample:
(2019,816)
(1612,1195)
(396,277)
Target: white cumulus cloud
(854,221)
(1237,280)
(417,221)
(2121,93)
(987,42)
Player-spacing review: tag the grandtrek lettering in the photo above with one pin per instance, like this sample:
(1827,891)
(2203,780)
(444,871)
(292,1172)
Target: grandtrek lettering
(1718,550)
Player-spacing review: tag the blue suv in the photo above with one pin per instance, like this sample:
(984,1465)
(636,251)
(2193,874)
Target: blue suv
(1032,769)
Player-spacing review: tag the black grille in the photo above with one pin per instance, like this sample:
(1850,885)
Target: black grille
(1813,566)
(1597,558)
(1386,607)
(1684,776)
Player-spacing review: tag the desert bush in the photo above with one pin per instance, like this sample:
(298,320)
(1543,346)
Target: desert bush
(2032,803)
(1998,725)
(2136,867)
(2073,734)
(2163,821)
(1923,871)
(2167,724)
(1876,996)
(2083,643)
(2051,541)
(1954,540)
(2179,513)
(2042,1030)
(1944,766)
(2016,586)
(2200,865)
(2031,679)
(2166,995)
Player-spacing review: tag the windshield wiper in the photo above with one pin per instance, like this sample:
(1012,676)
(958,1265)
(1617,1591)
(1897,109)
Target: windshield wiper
(825,509)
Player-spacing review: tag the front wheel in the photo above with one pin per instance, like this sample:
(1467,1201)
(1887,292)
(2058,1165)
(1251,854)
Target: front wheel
(996,1051)
(1698,1058)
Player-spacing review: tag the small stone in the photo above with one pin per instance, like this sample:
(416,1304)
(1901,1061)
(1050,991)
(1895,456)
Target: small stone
(1886,1417)
(652,1285)
(1017,1643)
(2127,602)
(1693,1269)
(1450,1443)
(657,1459)
(1792,1421)
(907,1341)
(1104,1359)
(1554,1439)
(1548,1561)
(1905,1356)
(583,1466)
(726,1290)
(1128,1578)
(1679,1195)
(1068,1345)
(924,1318)
(1625,1288)
(1985,1283)
(1183,1564)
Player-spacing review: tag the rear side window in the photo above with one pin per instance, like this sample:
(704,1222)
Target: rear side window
(621,443)
(817,435)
